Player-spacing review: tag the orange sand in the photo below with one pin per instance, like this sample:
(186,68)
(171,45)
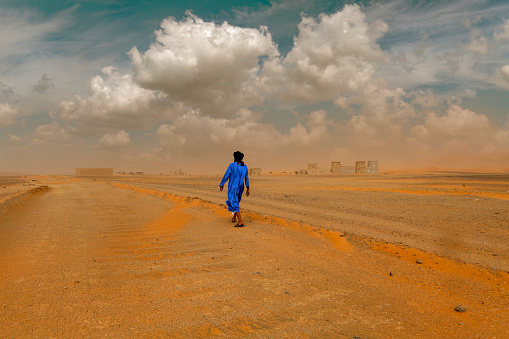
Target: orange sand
(159,257)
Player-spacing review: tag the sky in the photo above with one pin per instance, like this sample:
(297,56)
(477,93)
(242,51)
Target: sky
(158,86)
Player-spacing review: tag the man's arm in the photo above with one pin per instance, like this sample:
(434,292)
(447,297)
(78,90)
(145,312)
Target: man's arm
(225,178)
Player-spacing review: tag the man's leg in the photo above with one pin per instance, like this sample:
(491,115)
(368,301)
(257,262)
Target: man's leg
(241,223)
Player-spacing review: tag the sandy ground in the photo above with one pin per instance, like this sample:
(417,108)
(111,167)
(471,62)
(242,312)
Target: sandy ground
(319,257)
(11,186)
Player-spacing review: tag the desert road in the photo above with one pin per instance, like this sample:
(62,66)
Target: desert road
(142,258)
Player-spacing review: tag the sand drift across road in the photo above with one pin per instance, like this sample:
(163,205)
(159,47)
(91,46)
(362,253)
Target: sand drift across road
(158,256)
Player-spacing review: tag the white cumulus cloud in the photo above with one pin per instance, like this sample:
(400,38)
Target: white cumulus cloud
(51,133)
(13,137)
(336,54)
(458,122)
(456,139)
(44,85)
(194,134)
(7,115)
(115,140)
(115,102)
(206,66)
(505,72)
(478,42)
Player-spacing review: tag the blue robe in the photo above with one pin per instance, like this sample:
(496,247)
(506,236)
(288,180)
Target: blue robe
(236,175)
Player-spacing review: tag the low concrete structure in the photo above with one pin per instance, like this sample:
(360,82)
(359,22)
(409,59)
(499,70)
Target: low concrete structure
(347,169)
(94,172)
(255,171)
(312,166)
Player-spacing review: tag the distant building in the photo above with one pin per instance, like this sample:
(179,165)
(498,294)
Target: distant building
(360,167)
(255,171)
(140,173)
(372,167)
(336,167)
(314,170)
(94,172)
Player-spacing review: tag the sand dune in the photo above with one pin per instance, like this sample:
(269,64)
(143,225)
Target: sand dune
(319,257)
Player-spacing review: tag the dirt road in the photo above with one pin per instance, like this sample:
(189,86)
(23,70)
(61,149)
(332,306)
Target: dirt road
(91,259)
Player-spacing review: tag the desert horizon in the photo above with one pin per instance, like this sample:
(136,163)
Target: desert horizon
(404,170)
